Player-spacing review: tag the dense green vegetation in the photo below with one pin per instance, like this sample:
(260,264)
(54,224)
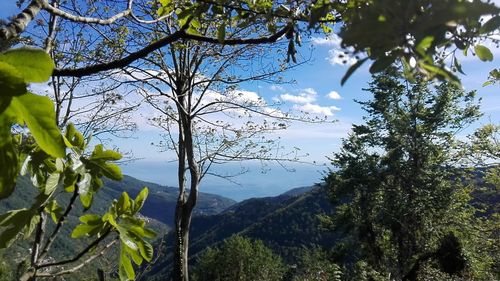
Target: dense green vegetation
(238,258)
(405,206)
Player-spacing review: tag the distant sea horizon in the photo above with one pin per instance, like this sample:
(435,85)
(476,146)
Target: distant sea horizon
(257,181)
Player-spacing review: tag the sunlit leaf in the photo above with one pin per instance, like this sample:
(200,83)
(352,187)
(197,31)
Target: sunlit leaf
(483,53)
(38,113)
(11,81)
(35,65)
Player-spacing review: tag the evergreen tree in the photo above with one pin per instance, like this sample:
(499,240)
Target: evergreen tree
(399,198)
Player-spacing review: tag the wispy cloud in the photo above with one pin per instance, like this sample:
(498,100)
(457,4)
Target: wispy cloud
(277,88)
(317,109)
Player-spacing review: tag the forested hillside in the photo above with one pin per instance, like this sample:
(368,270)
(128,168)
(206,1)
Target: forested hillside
(412,169)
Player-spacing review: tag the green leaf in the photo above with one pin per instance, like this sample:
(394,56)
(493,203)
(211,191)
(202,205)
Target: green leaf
(9,169)
(86,200)
(34,65)
(123,203)
(126,271)
(91,219)
(51,183)
(54,210)
(483,53)
(351,70)
(135,254)
(14,221)
(31,226)
(111,171)
(424,44)
(126,239)
(38,113)
(140,199)
(82,229)
(100,154)
(11,81)
(381,64)
(146,251)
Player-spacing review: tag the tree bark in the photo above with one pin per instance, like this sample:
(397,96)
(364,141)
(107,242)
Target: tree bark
(185,204)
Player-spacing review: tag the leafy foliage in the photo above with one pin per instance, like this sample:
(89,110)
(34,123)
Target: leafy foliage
(398,193)
(239,258)
(43,154)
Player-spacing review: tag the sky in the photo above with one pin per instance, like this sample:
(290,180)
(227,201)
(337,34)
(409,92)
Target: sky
(316,90)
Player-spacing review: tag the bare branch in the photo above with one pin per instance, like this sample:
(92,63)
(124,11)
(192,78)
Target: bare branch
(21,21)
(74,18)
(181,34)
(79,255)
(84,263)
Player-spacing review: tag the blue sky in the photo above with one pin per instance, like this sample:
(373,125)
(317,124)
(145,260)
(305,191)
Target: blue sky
(314,82)
(317,90)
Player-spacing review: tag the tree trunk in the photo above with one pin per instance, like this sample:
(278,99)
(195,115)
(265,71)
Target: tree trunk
(183,222)
(185,204)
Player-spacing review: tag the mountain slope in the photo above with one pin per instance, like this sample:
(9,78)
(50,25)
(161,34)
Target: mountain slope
(287,223)
(159,207)
(162,199)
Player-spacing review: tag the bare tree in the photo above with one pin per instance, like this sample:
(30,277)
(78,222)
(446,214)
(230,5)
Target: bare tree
(207,119)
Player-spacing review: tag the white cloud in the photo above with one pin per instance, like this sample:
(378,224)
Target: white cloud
(334,95)
(317,109)
(307,95)
(297,99)
(337,57)
(332,40)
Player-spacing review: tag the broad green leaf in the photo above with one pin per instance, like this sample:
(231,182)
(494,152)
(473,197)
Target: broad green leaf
(126,271)
(381,64)
(69,180)
(483,53)
(38,113)
(351,70)
(140,199)
(11,81)
(458,66)
(126,239)
(54,210)
(86,200)
(51,183)
(123,203)
(82,229)
(14,222)
(424,44)
(147,251)
(134,254)
(100,154)
(9,169)
(91,219)
(31,226)
(111,171)
(34,65)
